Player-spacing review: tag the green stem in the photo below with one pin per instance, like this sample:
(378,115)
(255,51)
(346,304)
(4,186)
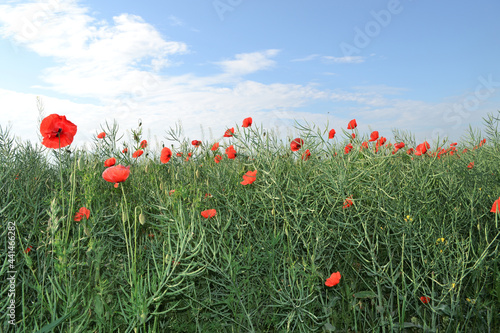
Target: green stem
(61,174)
(126,231)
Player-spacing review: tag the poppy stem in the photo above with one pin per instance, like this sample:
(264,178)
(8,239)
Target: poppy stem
(61,174)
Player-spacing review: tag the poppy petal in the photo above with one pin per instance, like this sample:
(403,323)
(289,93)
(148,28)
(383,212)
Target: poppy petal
(57,131)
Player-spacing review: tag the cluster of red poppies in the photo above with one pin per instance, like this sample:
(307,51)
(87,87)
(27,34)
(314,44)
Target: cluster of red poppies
(58,132)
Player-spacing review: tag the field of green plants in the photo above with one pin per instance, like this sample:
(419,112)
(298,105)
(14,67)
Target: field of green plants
(325,231)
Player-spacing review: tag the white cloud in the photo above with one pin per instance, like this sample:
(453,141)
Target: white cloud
(274,106)
(96,59)
(246,63)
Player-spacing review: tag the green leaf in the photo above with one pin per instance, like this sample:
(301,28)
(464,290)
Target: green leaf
(365,294)
(50,327)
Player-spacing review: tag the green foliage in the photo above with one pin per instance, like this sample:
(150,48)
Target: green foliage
(147,261)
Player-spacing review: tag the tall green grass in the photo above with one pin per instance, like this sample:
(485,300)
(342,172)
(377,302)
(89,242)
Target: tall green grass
(147,261)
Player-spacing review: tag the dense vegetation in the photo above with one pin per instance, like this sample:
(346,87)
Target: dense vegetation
(412,235)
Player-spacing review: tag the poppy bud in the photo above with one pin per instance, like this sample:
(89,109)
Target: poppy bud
(28,261)
(142,218)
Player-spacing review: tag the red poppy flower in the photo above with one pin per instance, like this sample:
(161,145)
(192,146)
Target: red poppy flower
(364,145)
(381,141)
(137,153)
(116,174)
(306,155)
(425,299)
(471,165)
(144,144)
(166,154)
(296,144)
(82,212)
(231,153)
(352,124)
(422,148)
(215,146)
(453,144)
(348,148)
(171,192)
(101,135)
(410,151)
(57,131)
(110,162)
(151,236)
(208,213)
(249,177)
(353,135)
(125,150)
(348,202)
(229,133)
(374,136)
(331,134)
(178,154)
(399,145)
(496,206)
(218,158)
(247,122)
(196,143)
(333,280)
(28,249)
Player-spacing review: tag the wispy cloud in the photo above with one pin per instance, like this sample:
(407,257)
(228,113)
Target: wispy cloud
(307,58)
(175,21)
(331,59)
(344,60)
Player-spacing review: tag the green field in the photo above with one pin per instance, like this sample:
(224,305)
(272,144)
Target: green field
(413,236)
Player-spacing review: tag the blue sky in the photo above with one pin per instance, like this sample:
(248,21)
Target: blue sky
(426,67)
